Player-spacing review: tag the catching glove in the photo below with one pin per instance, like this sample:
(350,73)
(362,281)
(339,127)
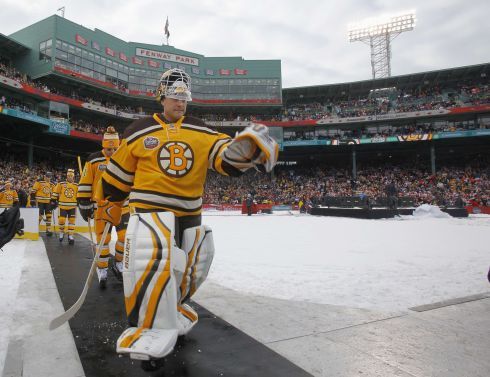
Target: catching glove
(253,147)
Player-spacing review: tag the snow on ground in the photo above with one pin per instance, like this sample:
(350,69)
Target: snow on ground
(11,262)
(390,264)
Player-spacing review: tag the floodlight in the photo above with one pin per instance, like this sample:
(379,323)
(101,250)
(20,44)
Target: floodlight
(379,34)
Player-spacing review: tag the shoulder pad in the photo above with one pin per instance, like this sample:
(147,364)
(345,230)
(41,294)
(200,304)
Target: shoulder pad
(197,124)
(138,125)
(95,155)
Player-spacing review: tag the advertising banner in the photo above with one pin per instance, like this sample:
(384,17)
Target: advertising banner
(59,128)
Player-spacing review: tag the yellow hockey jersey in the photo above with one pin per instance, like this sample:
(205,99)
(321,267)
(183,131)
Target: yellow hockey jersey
(65,193)
(42,190)
(94,167)
(163,166)
(8,198)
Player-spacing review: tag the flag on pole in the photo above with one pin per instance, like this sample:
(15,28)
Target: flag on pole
(167,32)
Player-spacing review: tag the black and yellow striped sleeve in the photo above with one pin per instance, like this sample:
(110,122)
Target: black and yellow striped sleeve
(118,178)
(86,181)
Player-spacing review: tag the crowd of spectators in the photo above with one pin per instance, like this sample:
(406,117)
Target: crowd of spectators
(330,133)
(390,101)
(399,101)
(13,103)
(291,184)
(11,72)
(471,184)
(92,126)
(426,98)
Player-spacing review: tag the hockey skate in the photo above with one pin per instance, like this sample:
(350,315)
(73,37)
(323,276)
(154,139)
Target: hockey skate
(62,237)
(71,240)
(152,364)
(49,233)
(148,345)
(102,275)
(117,269)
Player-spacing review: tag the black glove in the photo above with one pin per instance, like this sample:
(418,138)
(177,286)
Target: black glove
(33,200)
(53,205)
(86,208)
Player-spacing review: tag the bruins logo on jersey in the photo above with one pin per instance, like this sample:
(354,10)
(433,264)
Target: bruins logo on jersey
(46,190)
(9,197)
(69,193)
(176,158)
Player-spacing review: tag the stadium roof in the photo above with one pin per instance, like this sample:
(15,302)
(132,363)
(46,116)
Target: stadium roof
(10,47)
(412,80)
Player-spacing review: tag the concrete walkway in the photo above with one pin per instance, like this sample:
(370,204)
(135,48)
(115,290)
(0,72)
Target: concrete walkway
(447,339)
(32,350)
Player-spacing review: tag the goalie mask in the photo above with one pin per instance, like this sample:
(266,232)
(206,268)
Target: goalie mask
(176,84)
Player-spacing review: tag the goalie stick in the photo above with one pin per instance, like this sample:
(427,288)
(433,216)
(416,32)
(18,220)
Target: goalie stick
(61,319)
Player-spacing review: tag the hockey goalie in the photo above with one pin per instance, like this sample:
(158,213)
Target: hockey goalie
(161,166)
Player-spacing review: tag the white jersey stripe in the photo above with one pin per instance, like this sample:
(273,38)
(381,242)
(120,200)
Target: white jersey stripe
(119,173)
(144,130)
(166,201)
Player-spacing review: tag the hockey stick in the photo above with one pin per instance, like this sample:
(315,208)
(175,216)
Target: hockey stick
(94,251)
(80,165)
(53,223)
(58,321)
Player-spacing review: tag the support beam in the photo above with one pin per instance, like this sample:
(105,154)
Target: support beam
(354,164)
(30,152)
(432,159)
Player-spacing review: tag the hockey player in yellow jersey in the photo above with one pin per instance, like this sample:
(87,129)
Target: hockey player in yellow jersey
(161,166)
(65,196)
(8,196)
(41,197)
(94,167)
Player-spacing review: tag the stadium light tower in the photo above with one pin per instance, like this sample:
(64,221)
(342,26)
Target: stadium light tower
(378,34)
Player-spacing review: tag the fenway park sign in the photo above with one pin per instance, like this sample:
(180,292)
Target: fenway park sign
(166,56)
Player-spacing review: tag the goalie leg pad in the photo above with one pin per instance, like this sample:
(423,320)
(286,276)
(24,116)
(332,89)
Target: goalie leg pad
(199,246)
(150,285)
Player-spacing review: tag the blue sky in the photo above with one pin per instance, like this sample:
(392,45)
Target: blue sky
(310,37)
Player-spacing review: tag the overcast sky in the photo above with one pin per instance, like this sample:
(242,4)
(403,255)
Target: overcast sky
(309,37)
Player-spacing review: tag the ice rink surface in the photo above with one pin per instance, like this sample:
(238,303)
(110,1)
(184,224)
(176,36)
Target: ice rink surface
(386,265)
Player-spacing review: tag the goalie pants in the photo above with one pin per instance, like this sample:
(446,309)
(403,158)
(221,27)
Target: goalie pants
(69,213)
(181,224)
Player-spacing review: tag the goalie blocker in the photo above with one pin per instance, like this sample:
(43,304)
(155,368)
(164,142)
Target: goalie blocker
(158,277)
